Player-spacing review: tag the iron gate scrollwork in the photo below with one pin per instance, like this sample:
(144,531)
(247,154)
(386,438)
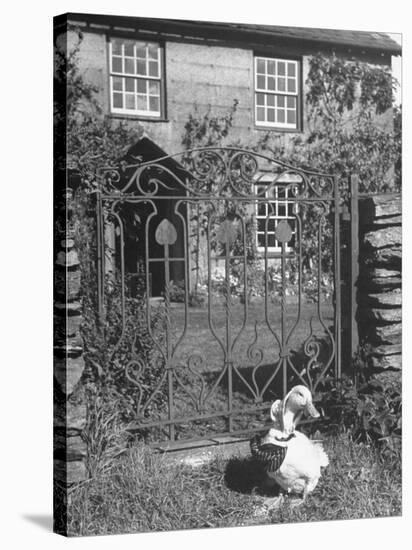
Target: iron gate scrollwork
(235,259)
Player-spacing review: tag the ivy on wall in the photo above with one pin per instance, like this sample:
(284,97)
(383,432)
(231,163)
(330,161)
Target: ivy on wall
(350,125)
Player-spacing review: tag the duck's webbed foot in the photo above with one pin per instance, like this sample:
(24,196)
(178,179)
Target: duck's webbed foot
(273,502)
(309,487)
(296,501)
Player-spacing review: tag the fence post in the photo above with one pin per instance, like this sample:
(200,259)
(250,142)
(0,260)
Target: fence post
(354,261)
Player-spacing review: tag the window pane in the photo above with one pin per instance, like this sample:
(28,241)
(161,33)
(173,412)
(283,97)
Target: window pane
(153,51)
(271,240)
(281,84)
(129,65)
(140,51)
(153,68)
(271,115)
(261,239)
(271,83)
(141,67)
(291,117)
(272,67)
(261,66)
(272,208)
(117,101)
(281,192)
(260,99)
(154,104)
(130,101)
(117,64)
(270,98)
(261,209)
(154,88)
(290,209)
(129,84)
(128,49)
(261,225)
(117,83)
(291,103)
(261,82)
(281,101)
(281,68)
(142,103)
(281,115)
(291,85)
(271,225)
(291,69)
(116,47)
(281,210)
(260,114)
(141,86)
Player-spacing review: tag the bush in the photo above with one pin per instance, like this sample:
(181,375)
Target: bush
(123,361)
(372,412)
(177,291)
(122,355)
(197,298)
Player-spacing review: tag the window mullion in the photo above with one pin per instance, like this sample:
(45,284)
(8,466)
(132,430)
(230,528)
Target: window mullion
(151,101)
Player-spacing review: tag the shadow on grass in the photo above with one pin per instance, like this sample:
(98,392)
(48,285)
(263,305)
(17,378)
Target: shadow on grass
(246,476)
(259,376)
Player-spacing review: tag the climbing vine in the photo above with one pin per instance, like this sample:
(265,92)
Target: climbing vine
(211,130)
(350,128)
(114,350)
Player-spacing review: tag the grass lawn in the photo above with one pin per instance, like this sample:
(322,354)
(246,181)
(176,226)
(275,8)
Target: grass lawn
(144,491)
(254,353)
(199,337)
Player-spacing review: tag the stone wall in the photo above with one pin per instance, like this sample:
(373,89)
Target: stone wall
(379,283)
(69,407)
(204,74)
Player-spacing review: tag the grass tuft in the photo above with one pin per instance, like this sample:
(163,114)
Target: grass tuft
(144,491)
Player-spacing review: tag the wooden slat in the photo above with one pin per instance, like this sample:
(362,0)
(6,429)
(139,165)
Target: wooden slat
(182,445)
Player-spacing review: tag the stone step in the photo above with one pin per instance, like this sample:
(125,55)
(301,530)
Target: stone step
(386,361)
(381,315)
(385,237)
(392,299)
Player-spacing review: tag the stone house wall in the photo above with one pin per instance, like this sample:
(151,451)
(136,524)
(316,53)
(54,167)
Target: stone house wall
(206,74)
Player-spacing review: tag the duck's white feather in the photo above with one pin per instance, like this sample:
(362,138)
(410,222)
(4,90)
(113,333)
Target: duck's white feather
(301,469)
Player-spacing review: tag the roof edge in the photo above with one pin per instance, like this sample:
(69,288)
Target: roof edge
(383,42)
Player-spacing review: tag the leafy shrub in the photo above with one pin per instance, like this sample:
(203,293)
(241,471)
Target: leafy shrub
(122,354)
(177,291)
(123,362)
(197,298)
(372,411)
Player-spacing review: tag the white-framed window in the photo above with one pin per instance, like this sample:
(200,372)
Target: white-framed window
(269,213)
(136,78)
(277,92)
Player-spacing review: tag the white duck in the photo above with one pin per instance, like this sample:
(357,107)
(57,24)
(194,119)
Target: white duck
(291,459)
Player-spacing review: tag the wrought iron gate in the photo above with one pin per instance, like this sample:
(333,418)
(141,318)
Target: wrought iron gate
(228,262)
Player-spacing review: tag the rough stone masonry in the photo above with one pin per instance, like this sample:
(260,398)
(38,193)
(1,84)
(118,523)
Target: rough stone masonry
(379,284)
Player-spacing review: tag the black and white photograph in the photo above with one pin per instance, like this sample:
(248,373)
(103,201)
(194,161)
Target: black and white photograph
(204,231)
(227,267)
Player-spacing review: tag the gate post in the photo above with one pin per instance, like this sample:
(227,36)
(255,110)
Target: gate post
(354,261)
